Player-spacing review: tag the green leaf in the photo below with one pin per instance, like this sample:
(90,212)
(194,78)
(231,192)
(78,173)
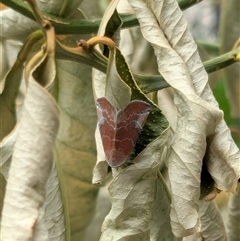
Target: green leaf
(156,122)
(75,145)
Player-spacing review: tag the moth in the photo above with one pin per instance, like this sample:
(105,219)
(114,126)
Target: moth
(119,129)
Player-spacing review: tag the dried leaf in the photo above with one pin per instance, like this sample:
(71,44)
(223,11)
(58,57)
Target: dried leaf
(42,66)
(33,151)
(197,119)
(25,192)
(16,26)
(137,195)
(51,219)
(223,154)
(223,159)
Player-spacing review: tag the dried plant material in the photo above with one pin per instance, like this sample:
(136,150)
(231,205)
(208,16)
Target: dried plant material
(198,116)
(133,217)
(26,184)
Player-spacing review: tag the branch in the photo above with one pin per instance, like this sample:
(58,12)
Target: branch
(69,26)
(146,83)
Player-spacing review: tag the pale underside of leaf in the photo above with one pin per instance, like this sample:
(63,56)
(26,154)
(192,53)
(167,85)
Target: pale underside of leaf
(197,119)
(26,187)
(101,167)
(117,92)
(51,220)
(16,26)
(224,164)
(137,195)
(224,155)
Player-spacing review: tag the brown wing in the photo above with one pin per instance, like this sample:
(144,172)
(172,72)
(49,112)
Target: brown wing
(130,122)
(107,115)
(120,130)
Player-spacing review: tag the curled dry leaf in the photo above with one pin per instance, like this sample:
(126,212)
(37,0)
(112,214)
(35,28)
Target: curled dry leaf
(31,166)
(223,159)
(223,155)
(137,193)
(33,141)
(180,65)
(42,66)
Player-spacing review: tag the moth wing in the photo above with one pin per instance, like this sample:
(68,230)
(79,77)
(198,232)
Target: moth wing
(130,122)
(106,122)
(119,130)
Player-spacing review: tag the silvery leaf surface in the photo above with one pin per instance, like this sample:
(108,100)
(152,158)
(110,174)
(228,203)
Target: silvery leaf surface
(197,118)
(138,195)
